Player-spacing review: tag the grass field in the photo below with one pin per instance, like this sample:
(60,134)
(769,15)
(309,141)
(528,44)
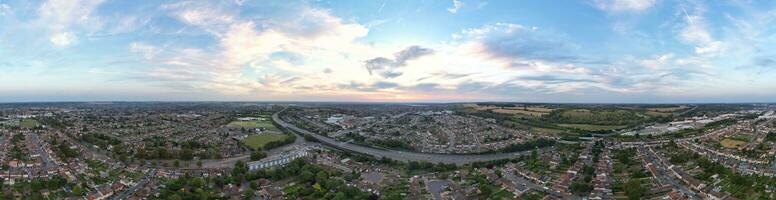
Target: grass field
(547,130)
(502,194)
(578,113)
(658,114)
(528,111)
(668,109)
(515,111)
(29,123)
(540,109)
(258,141)
(254,124)
(591,127)
(731,143)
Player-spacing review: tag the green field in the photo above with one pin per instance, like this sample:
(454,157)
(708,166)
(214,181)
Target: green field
(592,127)
(658,114)
(258,141)
(29,123)
(578,113)
(254,124)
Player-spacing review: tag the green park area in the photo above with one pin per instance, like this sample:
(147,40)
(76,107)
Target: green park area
(270,138)
(29,123)
(260,123)
(593,127)
(258,141)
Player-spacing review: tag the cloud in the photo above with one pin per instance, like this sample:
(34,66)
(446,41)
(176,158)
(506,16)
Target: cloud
(246,46)
(624,5)
(60,16)
(387,68)
(761,63)
(63,39)
(446,76)
(5,9)
(695,31)
(457,4)
(149,52)
(519,45)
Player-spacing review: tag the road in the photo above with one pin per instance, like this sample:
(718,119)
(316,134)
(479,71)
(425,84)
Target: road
(664,176)
(129,191)
(400,155)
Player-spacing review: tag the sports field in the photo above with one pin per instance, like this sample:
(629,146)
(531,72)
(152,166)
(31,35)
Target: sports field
(254,124)
(29,123)
(258,141)
(731,143)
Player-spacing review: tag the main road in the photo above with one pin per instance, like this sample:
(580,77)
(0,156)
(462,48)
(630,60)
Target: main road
(458,159)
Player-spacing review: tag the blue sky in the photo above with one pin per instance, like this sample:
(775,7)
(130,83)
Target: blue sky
(601,51)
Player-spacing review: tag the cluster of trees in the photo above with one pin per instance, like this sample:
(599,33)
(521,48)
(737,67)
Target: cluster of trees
(439,167)
(157,147)
(602,116)
(583,186)
(290,138)
(487,188)
(682,156)
(625,156)
(535,164)
(34,187)
(62,150)
(149,153)
(393,144)
(313,181)
(191,188)
(634,190)
(258,155)
(740,186)
(529,145)
(771,136)
(100,140)
(16,151)
(310,138)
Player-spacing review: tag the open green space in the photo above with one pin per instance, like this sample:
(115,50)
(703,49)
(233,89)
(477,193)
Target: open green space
(732,143)
(29,123)
(592,127)
(258,141)
(254,124)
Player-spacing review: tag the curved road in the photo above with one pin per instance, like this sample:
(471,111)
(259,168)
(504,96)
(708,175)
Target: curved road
(401,155)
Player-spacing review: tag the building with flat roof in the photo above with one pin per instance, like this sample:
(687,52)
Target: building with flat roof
(282,159)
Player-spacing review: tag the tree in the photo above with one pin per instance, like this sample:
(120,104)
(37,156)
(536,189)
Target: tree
(258,155)
(633,189)
(199,163)
(174,197)
(306,176)
(248,194)
(77,191)
(198,182)
(322,176)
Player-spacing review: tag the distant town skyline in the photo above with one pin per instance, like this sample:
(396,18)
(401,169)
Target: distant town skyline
(584,51)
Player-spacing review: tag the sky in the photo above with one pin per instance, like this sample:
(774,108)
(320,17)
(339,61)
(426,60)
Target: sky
(583,51)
